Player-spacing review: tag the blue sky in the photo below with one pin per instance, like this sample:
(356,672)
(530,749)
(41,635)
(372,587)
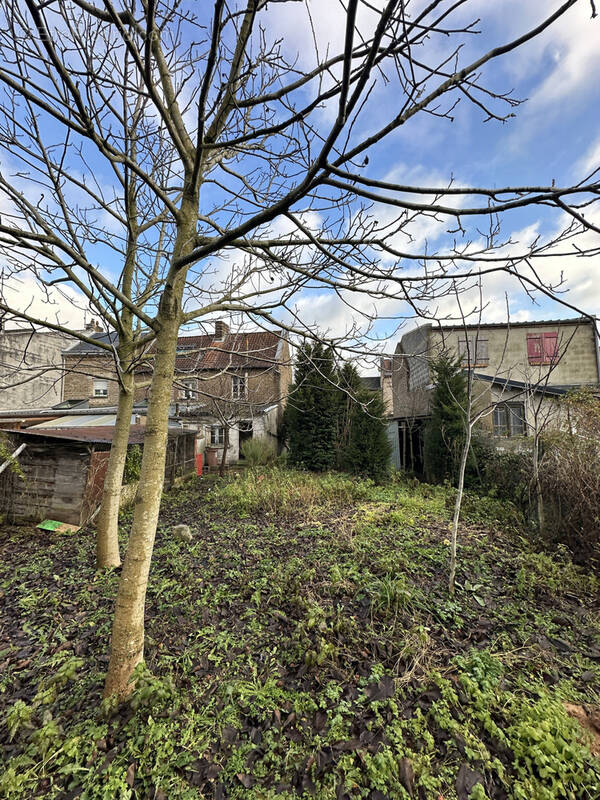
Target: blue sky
(554,136)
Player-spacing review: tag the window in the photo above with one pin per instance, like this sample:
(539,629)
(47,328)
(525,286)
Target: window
(509,420)
(189,389)
(239,387)
(542,348)
(473,351)
(100,388)
(217,434)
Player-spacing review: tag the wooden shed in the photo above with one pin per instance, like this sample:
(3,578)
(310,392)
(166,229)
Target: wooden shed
(64,471)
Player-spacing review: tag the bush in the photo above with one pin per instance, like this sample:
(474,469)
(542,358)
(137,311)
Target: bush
(258,452)
(368,449)
(570,479)
(507,476)
(288,493)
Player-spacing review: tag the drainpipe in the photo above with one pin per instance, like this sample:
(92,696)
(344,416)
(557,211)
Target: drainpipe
(594,321)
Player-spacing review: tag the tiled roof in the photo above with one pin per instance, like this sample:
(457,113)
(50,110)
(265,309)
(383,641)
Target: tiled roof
(82,348)
(253,350)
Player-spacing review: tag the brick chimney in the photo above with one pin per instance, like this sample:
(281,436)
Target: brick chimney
(221,330)
(93,326)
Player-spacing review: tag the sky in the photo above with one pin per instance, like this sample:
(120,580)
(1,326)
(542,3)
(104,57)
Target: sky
(552,137)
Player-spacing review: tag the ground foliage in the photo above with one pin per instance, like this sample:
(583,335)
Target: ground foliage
(304,645)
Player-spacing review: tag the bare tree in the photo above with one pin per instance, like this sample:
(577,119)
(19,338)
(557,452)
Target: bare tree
(251,164)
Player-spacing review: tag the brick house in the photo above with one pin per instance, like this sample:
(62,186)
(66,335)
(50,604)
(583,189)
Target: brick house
(237,381)
(518,369)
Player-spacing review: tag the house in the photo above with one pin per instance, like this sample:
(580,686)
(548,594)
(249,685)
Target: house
(64,471)
(519,371)
(30,366)
(233,384)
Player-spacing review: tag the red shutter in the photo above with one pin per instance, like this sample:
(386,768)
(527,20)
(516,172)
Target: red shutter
(534,348)
(550,347)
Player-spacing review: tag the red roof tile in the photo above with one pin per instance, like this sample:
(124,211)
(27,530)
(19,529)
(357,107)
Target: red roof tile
(253,350)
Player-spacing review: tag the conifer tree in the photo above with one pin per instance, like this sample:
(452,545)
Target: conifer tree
(350,387)
(445,431)
(311,411)
(368,450)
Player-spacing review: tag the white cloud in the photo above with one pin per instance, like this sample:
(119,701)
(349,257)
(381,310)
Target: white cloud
(65,306)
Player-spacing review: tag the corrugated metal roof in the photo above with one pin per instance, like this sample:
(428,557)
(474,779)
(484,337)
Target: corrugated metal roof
(102,434)
(522,386)
(92,421)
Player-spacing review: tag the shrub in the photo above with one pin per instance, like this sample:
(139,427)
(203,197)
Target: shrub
(310,414)
(288,493)
(507,476)
(570,478)
(258,452)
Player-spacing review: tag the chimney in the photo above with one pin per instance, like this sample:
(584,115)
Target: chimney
(93,326)
(221,330)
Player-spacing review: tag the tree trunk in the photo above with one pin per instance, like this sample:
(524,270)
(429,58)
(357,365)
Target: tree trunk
(457,505)
(127,642)
(538,484)
(225,448)
(107,529)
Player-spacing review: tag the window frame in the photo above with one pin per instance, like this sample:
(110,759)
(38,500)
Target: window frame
(511,410)
(189,389)
(470,345)
(544,358)
(219,439)
(235,381)
(98,393)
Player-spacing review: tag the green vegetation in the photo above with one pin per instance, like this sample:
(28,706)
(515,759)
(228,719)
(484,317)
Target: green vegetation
(6,451)
(258,452)
(304,645)
(332,421)
(310,414)
(446,429)
(133,464)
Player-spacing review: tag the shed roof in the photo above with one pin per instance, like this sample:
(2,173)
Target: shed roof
(99,434)
(522,386)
